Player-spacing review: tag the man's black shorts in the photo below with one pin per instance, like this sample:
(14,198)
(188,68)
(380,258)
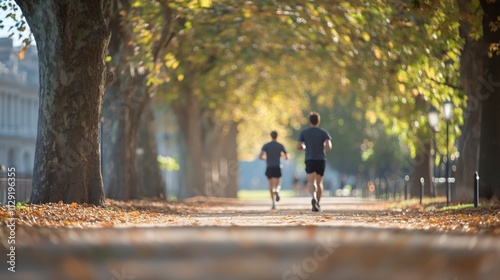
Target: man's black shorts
(273,172)
(317,166)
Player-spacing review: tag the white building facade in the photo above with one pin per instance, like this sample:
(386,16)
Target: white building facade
(18,107)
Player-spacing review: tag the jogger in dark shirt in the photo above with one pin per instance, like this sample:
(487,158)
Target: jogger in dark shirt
(315,141)
(272,152)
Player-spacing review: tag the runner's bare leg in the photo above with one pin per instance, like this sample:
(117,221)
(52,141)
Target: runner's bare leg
(319,186)
(273,187)
(311,178)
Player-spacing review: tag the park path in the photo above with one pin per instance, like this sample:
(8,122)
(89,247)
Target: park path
(245,240)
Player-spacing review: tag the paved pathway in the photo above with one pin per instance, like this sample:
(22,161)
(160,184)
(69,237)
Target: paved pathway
(253,251)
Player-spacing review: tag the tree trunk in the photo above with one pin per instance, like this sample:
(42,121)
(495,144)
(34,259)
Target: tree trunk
(231,161)
(215,181)
(192,169)
(124,101)
(122,112)
(422,168)
(221,159)
(471,69)
(72,39)
(151,180)
(489,156)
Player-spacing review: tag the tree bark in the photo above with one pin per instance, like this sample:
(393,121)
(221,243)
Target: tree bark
(151,180)
(192,168)
(221,158)
(122,113)
(124,101)
(215,182)
(471,69)
(232,163)
(422,168)
(489,156)
(72,38)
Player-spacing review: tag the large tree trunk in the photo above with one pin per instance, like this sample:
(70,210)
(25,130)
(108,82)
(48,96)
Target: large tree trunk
(151,180)
(221,158)
(72,39)
(124,101)
(192,169)
(489,156)
(471,69)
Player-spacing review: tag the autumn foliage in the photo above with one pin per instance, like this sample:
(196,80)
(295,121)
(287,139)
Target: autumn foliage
(226,212)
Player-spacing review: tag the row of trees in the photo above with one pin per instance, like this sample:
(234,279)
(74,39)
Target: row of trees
(232,70)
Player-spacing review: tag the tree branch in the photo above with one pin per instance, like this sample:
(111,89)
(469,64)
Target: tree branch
(446,83)
(167,33)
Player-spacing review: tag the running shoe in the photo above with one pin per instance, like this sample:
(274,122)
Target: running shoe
(315,206)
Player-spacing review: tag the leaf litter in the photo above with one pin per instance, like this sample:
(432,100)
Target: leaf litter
(220,211)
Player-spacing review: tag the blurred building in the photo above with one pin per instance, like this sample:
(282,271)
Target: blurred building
(19,84)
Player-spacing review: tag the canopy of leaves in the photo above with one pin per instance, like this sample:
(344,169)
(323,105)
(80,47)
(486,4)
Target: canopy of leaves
(256,62)
(14,24)
(241,54)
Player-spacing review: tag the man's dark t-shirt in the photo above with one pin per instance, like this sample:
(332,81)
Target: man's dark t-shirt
(314,139)
(273,151)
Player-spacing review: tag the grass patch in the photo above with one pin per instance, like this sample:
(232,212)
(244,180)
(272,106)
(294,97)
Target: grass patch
(415,202)
(458,207)
(262,194)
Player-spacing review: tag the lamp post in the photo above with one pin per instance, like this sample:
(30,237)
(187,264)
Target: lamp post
(433,115)
(448,114)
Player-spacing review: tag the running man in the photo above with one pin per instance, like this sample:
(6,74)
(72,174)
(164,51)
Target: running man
(272,152)
(315,141)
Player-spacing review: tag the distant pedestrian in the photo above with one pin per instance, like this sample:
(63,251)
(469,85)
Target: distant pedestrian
(315,141)
(272,152)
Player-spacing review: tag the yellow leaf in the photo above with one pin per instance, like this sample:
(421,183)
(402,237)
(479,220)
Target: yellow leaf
(371,116)
(376,52)
(366,36)
(402,88)
(205,3)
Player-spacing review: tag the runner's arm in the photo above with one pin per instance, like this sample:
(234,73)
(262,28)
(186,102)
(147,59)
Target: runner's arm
(301,146)
(262,155)
(284,155)
(327,144)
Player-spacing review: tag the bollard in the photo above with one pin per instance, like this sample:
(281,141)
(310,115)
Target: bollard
(407,179)
(421,188)
(476,189)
